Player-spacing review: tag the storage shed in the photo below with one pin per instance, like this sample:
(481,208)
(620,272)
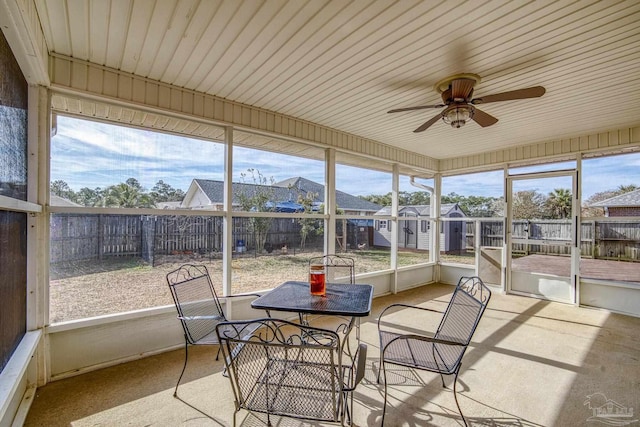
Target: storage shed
(414,228)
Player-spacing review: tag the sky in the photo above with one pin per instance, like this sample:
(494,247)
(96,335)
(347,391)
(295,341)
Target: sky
(93,154)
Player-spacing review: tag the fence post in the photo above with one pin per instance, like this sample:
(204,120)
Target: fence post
(595,239)
(100,236)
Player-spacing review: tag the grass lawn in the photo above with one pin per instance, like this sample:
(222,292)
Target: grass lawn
(97,287)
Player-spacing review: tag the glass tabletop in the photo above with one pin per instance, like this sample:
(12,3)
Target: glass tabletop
(339,299)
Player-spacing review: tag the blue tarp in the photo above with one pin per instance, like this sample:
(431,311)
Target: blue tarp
(285,206)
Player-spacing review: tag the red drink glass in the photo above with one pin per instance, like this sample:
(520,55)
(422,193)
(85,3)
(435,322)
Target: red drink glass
(317,280)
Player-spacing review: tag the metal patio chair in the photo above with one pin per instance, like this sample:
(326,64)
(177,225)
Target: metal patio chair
(289,370)
(199,308)
(338,269)
(443,352)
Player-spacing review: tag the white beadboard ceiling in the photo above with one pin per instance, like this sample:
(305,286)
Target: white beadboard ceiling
(344,64)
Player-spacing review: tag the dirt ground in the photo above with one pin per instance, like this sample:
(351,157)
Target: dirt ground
(114,285)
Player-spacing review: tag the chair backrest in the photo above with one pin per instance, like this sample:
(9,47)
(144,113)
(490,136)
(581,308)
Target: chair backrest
(338,268)
(467,304)
(199,309)
(284,368)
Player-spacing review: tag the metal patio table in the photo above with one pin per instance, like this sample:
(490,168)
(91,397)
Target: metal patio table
(352,301)
(340,299)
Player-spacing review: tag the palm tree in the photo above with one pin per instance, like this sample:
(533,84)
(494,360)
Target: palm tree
(125,195)
(559,202)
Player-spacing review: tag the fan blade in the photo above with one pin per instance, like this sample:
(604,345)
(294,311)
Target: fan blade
(421,107)
(429,123)
(531,92)
(483,119)
(461,89)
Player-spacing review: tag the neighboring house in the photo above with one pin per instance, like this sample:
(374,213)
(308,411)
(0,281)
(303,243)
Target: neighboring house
(627,204)
(168,205)
(415,234)
(55,200)
(208,194)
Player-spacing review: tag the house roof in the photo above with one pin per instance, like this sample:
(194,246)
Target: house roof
(287,190)
(344,200)
(631,198)
(56,200)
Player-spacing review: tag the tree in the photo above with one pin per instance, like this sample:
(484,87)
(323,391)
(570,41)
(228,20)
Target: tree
(405,198)
(497,207)
(256,198)
(419,198)
(129,194)
(382,200)
(163,192)
(626,188)
(307,225)
(88,197)
(61,189)
(473,206)
(528,204)
(558,203)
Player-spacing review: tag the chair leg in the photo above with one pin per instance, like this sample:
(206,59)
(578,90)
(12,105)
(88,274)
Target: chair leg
(349,412)
(455,396)
(219,350)
(186,356)
(384,376)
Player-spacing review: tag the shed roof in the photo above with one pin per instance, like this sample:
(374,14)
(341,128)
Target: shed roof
(421,210)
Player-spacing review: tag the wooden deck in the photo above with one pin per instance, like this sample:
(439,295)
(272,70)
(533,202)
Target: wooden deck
(589,268)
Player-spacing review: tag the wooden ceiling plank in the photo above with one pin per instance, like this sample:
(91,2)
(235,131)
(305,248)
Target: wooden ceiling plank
(173,33)
(119,21)
(250,41)
(312,39)
(137,32)
(271,39)
(182,58)
(203,55)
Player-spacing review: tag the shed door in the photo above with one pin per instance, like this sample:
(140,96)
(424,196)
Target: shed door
(408,232)
(455,235)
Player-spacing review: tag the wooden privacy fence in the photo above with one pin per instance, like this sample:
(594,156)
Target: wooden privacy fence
(82,236)
(619,240)
(96,236)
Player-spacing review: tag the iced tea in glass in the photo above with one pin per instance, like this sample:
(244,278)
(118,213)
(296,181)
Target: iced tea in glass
(317,279)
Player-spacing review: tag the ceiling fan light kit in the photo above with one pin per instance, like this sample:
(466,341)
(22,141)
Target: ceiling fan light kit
(456,92)
(458,116)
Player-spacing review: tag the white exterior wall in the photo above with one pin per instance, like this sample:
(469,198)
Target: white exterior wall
(423,238)
(381,236)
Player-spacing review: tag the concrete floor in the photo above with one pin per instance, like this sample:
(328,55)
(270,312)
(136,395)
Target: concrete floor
(531,363)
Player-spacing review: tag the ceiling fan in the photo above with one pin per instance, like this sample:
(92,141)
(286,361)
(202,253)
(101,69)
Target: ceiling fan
(457,91)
